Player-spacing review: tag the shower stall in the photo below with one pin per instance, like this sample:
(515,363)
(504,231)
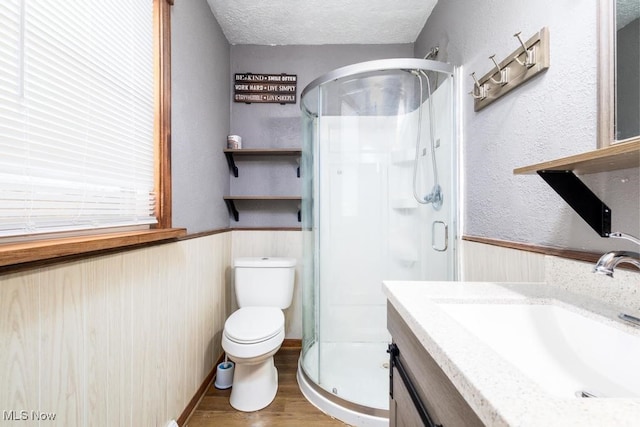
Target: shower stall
(379,173)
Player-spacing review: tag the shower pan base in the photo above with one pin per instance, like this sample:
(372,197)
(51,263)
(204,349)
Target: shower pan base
(359,362)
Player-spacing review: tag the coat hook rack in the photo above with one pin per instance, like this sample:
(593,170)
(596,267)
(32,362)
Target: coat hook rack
(524,63)
(479,91)
(530,53)
(504,73)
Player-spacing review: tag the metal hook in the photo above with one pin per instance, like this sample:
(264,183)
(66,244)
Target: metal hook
(530,54)
(504,73)
(479,92)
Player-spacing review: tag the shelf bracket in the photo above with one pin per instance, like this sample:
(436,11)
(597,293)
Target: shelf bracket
(580,198)
(232,209)
(232,164)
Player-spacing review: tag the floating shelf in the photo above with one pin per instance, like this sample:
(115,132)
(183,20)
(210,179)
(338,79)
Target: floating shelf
(230,153)
(618,156)
(231,202)
(560,175)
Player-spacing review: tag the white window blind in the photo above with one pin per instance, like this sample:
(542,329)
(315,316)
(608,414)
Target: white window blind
(76,115)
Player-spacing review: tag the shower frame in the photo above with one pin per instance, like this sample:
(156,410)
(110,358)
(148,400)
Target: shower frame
(346,410)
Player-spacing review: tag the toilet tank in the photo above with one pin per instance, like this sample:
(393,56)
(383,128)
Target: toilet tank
(266,281)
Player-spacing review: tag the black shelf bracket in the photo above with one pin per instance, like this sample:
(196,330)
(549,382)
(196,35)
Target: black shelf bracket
(232,209)
(232,164)
(580,198)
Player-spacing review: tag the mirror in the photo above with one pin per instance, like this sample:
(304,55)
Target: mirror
(619,72)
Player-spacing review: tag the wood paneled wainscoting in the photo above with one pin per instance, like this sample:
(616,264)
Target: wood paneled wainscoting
(493,260)
(123,339)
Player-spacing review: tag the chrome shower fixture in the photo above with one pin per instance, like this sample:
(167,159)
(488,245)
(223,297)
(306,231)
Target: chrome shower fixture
(432,53)
(435,197)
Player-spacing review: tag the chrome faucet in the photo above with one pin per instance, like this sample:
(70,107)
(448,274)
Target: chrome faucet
(608,262)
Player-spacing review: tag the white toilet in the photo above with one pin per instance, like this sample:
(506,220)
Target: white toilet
(254,332)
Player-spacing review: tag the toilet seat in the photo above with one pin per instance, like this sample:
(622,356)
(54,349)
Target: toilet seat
(253,334)
(253,325)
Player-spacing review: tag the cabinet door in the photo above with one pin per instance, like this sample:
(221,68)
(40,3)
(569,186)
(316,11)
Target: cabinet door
(440,397)
(402,411)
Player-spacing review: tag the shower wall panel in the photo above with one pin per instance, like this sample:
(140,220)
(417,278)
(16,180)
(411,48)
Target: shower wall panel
(354,215)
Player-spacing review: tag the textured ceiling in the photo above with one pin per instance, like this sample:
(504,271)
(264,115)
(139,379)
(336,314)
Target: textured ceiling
(306,22)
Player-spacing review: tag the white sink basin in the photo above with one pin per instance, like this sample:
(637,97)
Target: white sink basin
(563,351)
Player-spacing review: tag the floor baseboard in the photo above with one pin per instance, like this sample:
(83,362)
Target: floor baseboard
(197,397)
(291,343)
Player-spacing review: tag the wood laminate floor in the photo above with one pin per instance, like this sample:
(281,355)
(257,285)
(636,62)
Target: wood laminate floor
(289,408)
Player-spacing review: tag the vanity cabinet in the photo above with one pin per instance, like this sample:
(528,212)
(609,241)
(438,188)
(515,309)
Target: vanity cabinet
(233,155)
(418,385)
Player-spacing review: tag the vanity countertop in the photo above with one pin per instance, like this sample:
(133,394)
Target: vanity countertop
(500,393)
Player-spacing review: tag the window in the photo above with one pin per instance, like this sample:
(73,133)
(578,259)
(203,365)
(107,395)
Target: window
(83,116)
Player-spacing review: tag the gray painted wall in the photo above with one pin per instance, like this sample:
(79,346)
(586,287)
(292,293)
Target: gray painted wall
(279,126)
(203,114)
(200,117)
(552,116)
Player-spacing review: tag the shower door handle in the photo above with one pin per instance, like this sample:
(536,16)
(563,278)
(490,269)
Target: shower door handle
(445,227)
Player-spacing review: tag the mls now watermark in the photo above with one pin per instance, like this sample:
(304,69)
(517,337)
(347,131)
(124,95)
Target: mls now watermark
(28,416)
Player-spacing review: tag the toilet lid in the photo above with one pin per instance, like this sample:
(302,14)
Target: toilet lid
(254,324)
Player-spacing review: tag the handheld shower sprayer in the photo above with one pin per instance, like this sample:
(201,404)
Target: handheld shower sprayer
(435,197)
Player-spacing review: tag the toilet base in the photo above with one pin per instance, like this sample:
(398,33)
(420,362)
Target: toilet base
(254,385)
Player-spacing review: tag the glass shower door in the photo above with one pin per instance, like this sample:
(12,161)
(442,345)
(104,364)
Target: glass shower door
(366,137)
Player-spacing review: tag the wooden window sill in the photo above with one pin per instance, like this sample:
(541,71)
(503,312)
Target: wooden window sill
(28,252)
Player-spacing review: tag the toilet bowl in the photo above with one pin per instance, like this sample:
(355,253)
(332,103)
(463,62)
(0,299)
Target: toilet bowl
(255,332)
(252,335)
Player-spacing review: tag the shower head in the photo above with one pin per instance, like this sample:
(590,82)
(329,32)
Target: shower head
(432,53)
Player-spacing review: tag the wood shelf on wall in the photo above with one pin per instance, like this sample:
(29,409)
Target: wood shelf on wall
(618,156)
(264,151)
(261,152)
(560,175)
(230,153)
(231,202)
(295,198)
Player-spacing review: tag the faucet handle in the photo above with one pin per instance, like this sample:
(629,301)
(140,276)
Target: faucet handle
(625,236)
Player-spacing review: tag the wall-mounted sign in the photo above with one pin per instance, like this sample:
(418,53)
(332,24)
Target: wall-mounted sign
(265,88)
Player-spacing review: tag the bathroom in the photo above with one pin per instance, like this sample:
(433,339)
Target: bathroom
(128,337)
